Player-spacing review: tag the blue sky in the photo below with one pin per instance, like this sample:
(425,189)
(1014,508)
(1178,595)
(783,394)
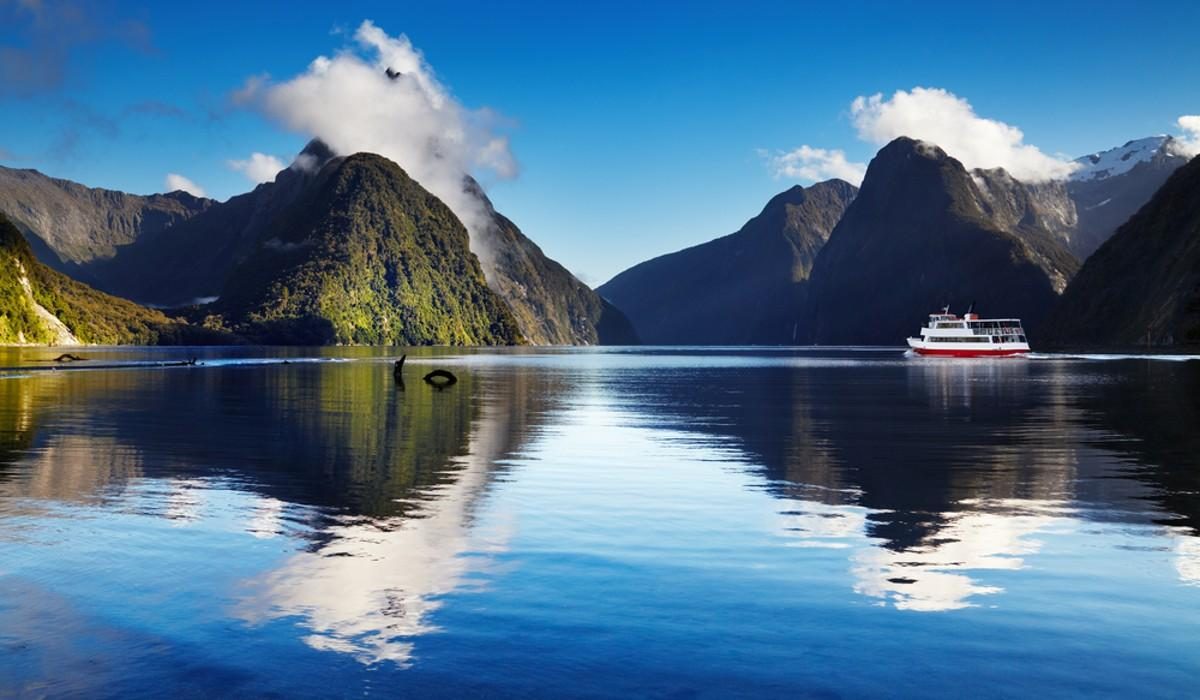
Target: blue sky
(639,128)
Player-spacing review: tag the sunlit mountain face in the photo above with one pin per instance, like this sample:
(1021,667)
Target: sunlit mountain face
(274,527)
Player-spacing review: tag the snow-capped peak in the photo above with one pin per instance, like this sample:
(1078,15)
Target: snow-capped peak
(1116,161)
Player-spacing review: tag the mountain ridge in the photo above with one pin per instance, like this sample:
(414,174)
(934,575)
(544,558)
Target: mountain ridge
(917,236)
(1142,286)
(744,287)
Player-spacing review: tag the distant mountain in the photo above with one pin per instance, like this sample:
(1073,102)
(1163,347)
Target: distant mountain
(79,230)
(551,306)
(39,305)
(362,255)
(1143,285)
(746,287)
(922,232)
(1112,185)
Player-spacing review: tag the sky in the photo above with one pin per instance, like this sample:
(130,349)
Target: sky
(610,132)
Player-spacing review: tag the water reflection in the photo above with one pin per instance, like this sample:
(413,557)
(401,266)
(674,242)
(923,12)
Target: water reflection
(370,588)
(312,517)
(939,574)
(384,483)
(954,472)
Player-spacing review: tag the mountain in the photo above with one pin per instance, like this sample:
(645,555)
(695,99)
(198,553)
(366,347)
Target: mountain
(551,306)
(1110,186)
(922,233)
(190,256)
(80,230)
(192,263)
(362,254)
(39,305)
(1143,285)
(746,287)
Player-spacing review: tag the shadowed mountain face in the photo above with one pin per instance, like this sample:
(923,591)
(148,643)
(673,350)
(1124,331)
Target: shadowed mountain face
(364,255)
(1143,285)
(82,230)
(747,287)
(918,235)
(195,260)
(551,306)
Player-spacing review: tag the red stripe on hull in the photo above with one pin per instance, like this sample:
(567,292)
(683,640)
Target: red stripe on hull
(969,353)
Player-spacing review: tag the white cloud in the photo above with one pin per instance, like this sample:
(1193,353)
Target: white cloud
(381,96)
(175,181)
(1188,144)
(259,167)
(814,164)
(250,90)
(943,118)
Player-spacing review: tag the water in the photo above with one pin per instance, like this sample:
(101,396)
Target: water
(667,523)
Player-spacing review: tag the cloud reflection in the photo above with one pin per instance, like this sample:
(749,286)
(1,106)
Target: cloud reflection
(371,589)
(937,575)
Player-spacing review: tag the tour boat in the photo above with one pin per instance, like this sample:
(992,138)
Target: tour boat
(948,335)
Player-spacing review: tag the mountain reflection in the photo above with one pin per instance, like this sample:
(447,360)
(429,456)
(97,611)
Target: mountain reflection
(369,588)
(956,469)
(387,481)
(334,437)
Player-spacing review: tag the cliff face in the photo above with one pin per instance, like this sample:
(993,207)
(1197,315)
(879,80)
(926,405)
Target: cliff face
(747,287)
(1143,285)
(922,233)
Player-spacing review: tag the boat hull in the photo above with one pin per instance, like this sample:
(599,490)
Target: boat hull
(940,352)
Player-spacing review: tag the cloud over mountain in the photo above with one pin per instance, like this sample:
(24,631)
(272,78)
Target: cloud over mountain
(175,181)
(943,118)
(814,164)
(1189,144)
(380,95)
(259,167)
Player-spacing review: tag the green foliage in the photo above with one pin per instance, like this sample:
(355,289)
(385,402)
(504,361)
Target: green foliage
(367,257)
(91,316)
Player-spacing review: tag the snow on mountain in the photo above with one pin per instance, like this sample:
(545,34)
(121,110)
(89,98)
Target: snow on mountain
(1117,161)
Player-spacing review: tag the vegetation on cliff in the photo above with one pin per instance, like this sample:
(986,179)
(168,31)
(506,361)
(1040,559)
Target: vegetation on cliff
(39,305)
(364,256)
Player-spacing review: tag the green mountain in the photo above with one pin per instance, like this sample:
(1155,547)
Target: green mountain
(1143,285)
(746,287)
(39,305)
(922,233)
(362,254)
(184,251)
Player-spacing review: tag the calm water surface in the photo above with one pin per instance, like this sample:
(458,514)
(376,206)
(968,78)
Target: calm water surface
(669,523)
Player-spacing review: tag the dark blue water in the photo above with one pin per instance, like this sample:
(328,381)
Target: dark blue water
(653,523)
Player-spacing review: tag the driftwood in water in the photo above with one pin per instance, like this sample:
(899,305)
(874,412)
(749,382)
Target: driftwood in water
(68,357)
(440,379)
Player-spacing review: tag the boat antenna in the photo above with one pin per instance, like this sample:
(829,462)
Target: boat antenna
(946,309)
(971,307)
